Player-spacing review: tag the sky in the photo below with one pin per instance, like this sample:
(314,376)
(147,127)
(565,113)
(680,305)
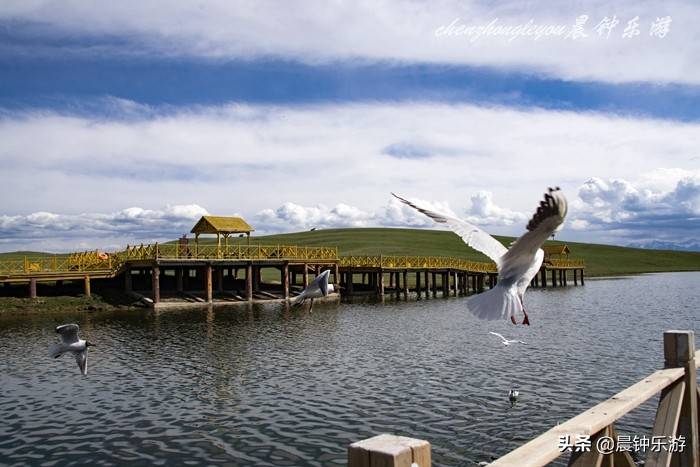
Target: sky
(124,123)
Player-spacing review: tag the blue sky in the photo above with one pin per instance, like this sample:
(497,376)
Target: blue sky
(123,123)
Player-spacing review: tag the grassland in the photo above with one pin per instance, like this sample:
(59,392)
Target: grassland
(601,260)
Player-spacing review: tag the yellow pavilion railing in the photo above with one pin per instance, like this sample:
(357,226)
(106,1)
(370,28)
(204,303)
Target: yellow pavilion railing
(416,262)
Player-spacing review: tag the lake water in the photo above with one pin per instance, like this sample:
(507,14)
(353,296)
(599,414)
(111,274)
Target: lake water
(265,385)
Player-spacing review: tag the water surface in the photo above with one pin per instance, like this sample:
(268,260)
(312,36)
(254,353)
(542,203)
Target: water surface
(266,385)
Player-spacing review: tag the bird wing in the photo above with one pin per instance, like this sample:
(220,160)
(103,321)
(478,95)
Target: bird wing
(497,334)
(471,234)
(321,282)
(524,282)
(81,359)
(68,332)
(522,255)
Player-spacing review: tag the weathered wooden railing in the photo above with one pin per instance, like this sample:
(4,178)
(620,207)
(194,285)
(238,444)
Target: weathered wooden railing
(416,262)
(591,436)
(235,252)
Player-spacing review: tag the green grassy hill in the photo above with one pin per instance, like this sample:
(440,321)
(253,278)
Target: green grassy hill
(601,260)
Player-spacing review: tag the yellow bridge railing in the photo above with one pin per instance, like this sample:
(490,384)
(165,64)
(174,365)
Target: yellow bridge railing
(565,263)
(416,262)
(111,263)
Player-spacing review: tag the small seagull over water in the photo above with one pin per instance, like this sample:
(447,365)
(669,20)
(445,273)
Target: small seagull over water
(516,265)
(507,341)
(513,396)
(71,343)
(316,289)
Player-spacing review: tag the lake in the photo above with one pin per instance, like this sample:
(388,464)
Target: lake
(266,385)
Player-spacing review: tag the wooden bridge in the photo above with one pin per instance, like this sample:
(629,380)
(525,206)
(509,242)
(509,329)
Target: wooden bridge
(236,272)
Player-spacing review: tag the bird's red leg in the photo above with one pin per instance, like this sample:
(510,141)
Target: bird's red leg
(526,320)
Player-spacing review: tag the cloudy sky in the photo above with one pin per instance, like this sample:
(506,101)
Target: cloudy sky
(125,122)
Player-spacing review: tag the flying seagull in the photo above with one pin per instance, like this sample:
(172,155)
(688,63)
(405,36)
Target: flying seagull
(516,265)
(71,343)
(316,289)
(507,341)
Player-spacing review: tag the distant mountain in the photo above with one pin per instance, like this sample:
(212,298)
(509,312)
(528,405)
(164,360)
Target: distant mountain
(692,245)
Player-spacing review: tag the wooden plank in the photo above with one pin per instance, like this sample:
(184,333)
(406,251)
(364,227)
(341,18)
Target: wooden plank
(591,458)
(387,450)
(545,448)
(679,351)
(666,423)
(208,282)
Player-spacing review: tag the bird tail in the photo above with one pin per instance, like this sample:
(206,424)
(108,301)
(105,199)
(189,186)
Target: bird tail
(498,303)
(55,350)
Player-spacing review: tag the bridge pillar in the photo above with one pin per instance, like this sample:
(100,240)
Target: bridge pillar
(380,288)
(391,280)
(543,277)
(220,279)
(208,282)
(87,286)
(128,285)
(418,290)
(178,279)
(454,283)
(582,277)
(405,284)
(575,276)
(249,282)
(32,288)
(433,277)
(285,280)
(306,276)
(336,274)
(348,281)
(554,277)
(155,280)
(427,284)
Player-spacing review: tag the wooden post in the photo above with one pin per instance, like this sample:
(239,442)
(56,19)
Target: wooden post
(391,280)
(582,283)
(679,351)
(427,284)
(249,282)
(445,284)
(348,282)
(389,451)
(405,284)
(208,283)
(178,279)
(454,283)
(433,283)
(543,277)
(285,280)
(87,286)
(336,274)
(220,279)
(554,277)
(380,289)
(418,291)
(128,283)
(575,276)
(155,283)
(32,287)
(306,276)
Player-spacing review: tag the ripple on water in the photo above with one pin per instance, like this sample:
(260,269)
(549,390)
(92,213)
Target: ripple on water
(265,386)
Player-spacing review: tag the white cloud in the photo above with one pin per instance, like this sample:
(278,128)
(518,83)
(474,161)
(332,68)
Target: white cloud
(55,232)
(247,159)
(393,30)
(484,211)
(640,214)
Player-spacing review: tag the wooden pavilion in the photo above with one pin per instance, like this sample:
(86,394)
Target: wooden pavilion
(561,251)
(221,226)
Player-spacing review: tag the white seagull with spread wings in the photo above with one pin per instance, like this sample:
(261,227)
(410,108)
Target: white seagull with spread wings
(507,341)
(516,265)
(316,289)
(71,343)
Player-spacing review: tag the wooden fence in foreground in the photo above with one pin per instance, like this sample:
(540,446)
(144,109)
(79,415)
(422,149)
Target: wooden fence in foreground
(677,419)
